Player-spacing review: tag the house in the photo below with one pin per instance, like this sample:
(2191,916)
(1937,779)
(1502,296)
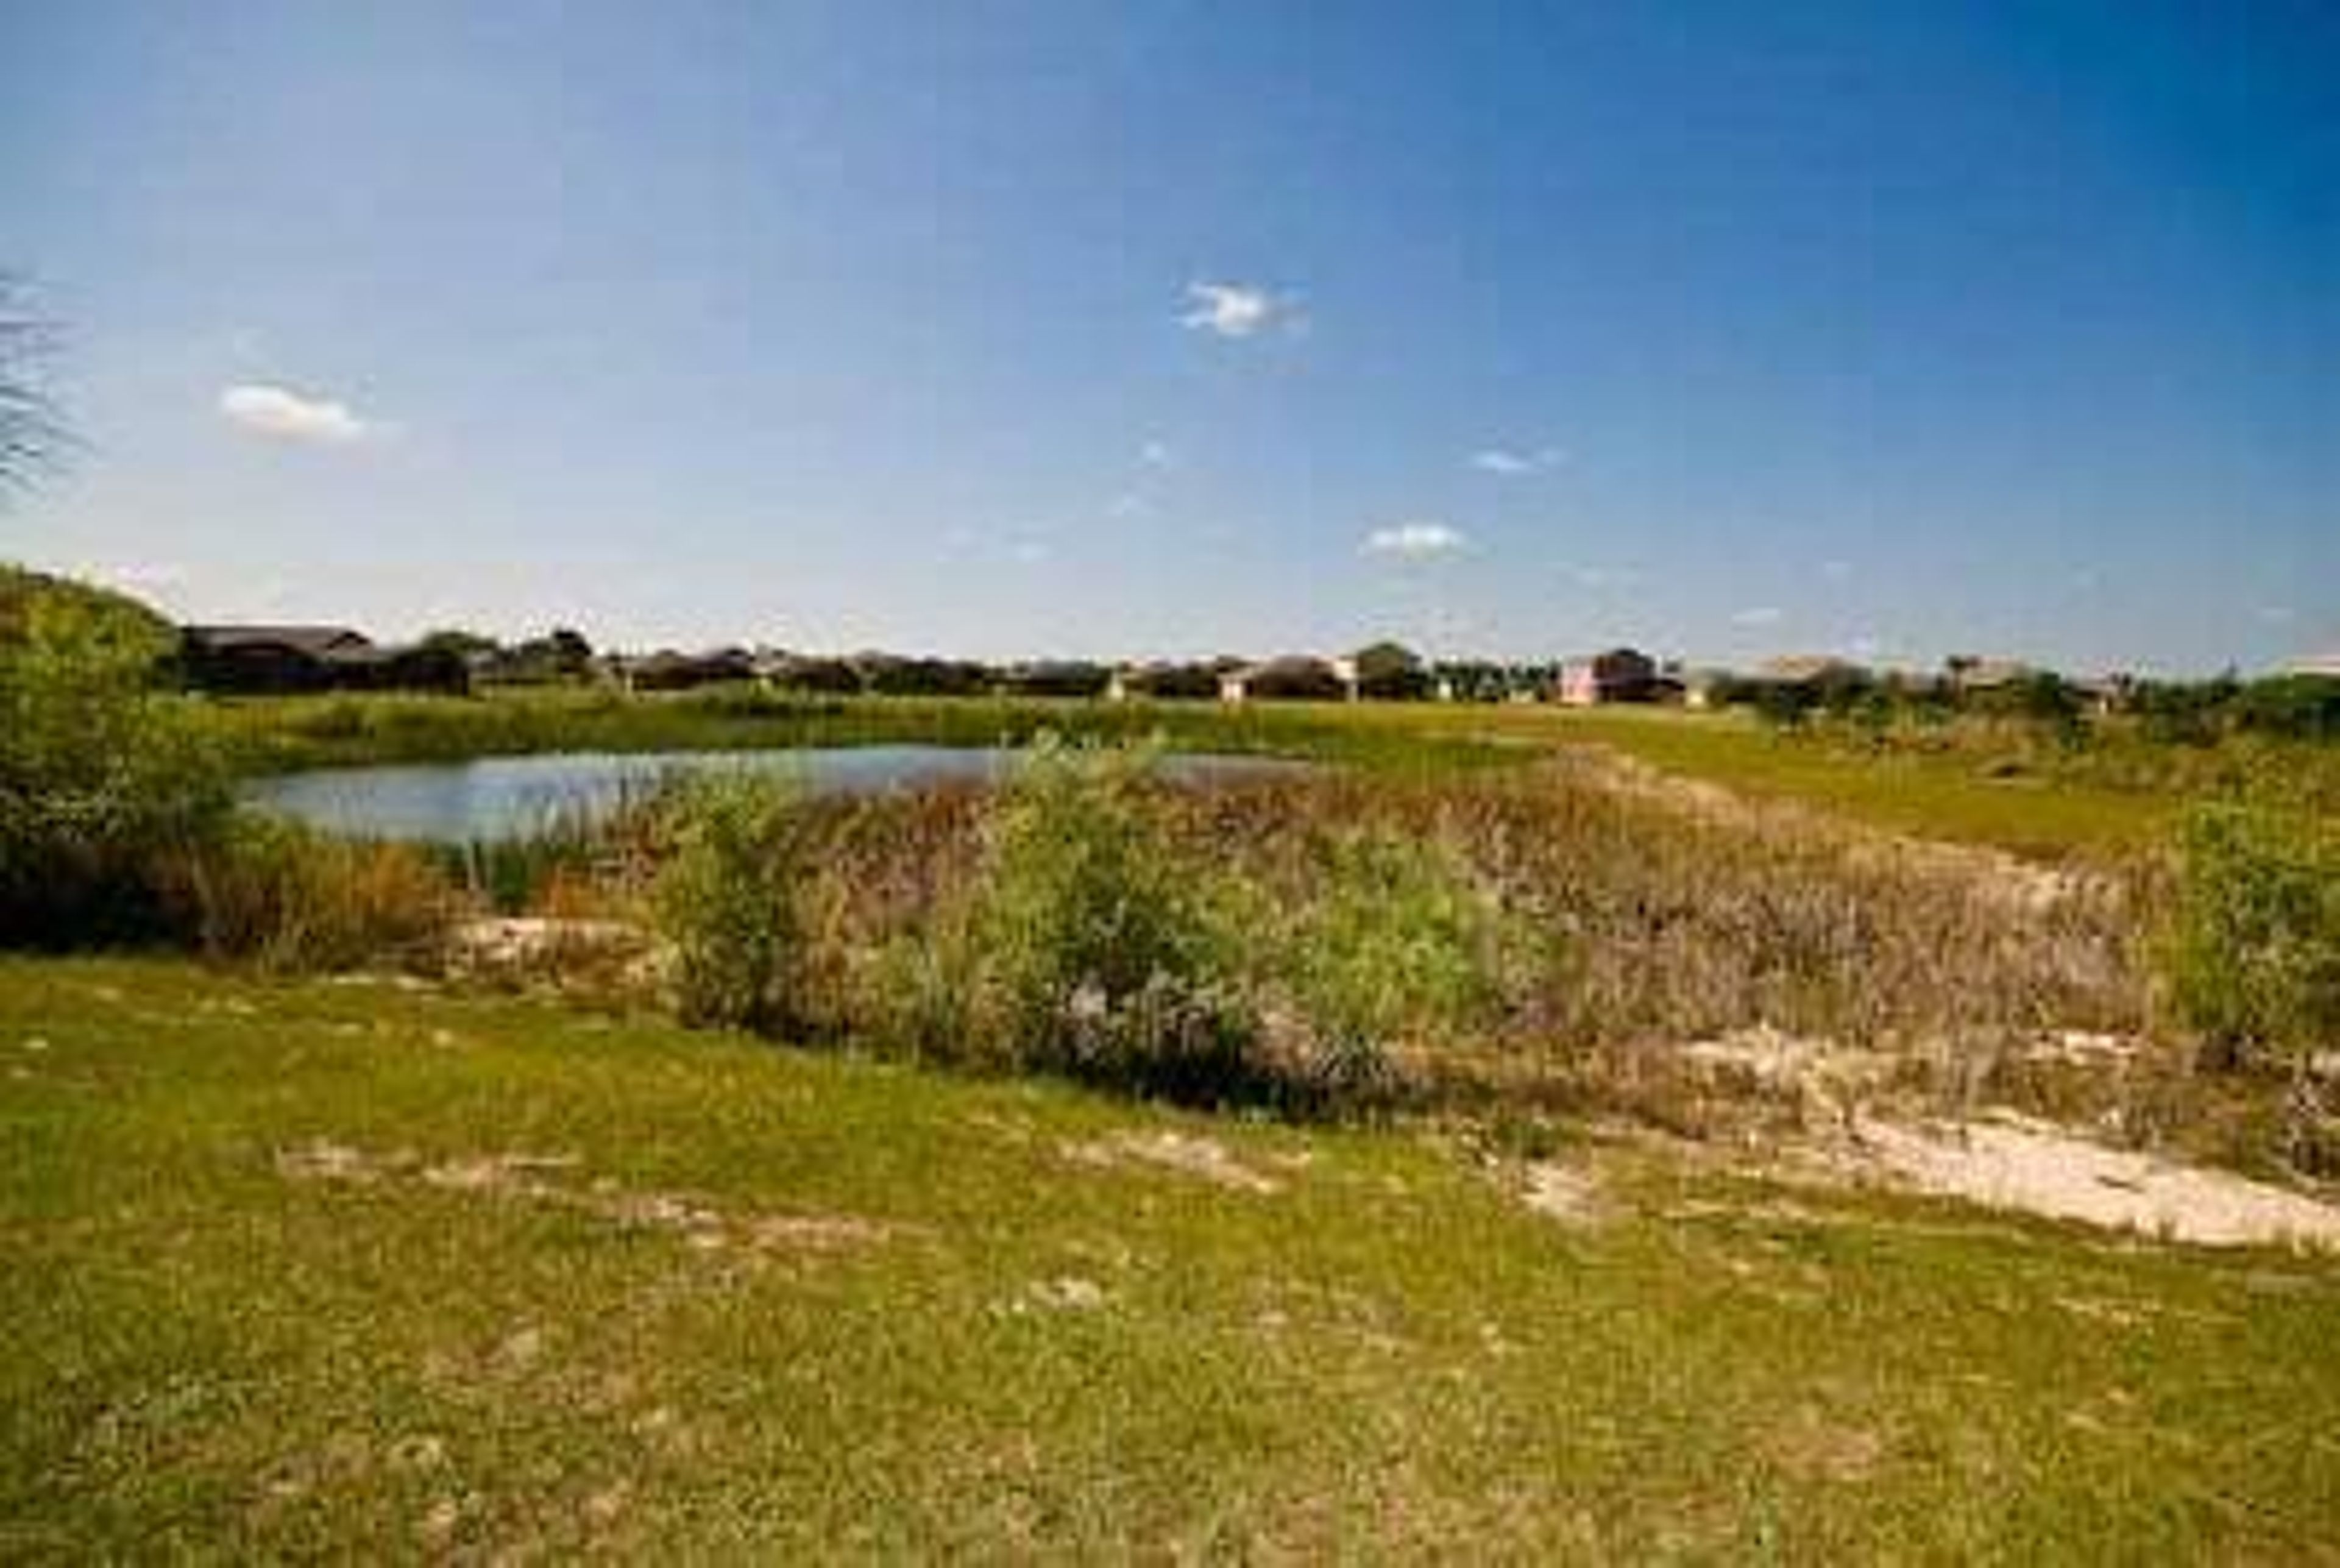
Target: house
(1812,675)
(2104,695)
(269,658)
(2325,666)
(1969,674)
(279,660)
(1803,669)
(1618,675)
(810,672)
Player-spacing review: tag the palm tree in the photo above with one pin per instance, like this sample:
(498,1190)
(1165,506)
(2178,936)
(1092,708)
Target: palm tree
(30,429)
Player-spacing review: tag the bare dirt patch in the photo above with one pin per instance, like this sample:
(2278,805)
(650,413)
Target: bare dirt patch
(1188,1154)
(2037,1168)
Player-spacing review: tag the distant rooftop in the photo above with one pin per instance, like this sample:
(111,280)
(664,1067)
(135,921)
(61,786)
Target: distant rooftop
(318,641)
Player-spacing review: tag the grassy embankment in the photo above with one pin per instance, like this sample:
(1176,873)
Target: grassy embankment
(277,1283)
(269,735)
(2001,786)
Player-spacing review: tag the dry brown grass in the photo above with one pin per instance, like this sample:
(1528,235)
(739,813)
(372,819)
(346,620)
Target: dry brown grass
(1654,921)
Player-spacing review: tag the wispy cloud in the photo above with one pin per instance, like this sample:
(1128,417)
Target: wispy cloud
(1600,577)
(279,413)
(1509,463)
(1128,503)
(1233,310)
(2277,614)
(1758,615)
(1414,541)
(1837,570)
(1155,454)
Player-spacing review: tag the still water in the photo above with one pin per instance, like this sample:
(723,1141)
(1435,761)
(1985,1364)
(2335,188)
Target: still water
(507,796)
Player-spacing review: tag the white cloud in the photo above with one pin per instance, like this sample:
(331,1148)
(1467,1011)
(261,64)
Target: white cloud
(281,414)
(1509,465)
(1129,503)
(1155,454)
(1414,541)
(1232,310)
(1835,570)
(1757,615)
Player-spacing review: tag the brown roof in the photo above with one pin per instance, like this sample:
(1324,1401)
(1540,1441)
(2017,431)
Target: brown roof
(1795,667)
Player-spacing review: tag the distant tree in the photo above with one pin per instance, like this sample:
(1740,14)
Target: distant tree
(1784,704)
(1064,677)
(1391,670)
(893,676)
(1168,681)
(2301,707)
(456,642)
(1840,689)
(32,432)
(2040,695)
(568,650)
(1295,680)
(809,673)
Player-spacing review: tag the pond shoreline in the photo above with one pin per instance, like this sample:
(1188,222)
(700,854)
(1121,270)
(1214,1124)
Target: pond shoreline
(504,798)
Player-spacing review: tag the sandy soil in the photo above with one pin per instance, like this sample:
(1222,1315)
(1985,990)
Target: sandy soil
(2010,1163)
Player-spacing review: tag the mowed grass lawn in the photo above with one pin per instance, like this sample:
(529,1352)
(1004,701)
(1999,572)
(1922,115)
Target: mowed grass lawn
(275,1285)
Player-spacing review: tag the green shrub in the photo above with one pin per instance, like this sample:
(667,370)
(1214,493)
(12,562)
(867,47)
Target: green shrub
(102,776)
(294,899)
(1101,949)
(725,899)
(2253,958)
(1399,945)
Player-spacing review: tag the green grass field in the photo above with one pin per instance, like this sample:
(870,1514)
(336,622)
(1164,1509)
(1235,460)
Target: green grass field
(1926,797)
(277,1286)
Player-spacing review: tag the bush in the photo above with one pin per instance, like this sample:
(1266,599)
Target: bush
(294,899)
(725,898)
(1399,945)
(103,777)
(1100,949)
(2253,958)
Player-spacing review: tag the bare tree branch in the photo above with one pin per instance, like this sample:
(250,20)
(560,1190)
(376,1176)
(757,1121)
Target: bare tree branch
(33,434)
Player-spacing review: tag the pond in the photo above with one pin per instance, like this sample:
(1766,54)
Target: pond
(492,798)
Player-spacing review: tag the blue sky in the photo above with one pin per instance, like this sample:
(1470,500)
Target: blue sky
(998,328)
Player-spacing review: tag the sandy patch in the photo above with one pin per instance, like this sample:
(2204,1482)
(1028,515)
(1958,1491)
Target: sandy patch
(1559,1193)
(1187,1155)
(534,1178)
(2037,1168)
(525,946)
